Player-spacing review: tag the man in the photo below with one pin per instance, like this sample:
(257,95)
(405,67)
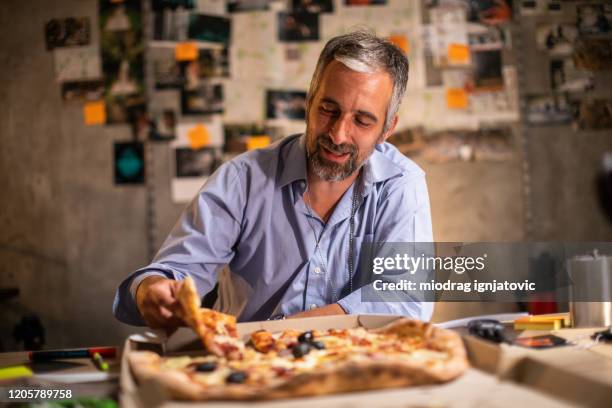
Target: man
(290,219)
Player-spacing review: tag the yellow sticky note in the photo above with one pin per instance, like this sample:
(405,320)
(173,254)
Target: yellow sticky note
(198,137)
(401,41)
(187,51)
(9,373)
(456,98)
(256,142)
(94,113)
(458,54)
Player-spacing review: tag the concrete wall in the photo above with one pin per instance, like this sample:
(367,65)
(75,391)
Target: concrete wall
(68,235)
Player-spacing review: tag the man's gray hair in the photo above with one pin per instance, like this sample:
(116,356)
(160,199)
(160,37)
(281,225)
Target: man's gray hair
(362,51)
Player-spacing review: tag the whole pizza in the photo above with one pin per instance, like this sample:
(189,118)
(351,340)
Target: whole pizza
(293,363)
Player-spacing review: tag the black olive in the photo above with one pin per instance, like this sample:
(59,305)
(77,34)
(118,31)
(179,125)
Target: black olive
(317,344)
(306,337)
(206,367)
(300,350)
(237,377)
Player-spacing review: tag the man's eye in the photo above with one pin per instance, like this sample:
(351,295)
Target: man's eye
(327,110)
(363,121)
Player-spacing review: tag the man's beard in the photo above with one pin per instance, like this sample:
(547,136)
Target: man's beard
(329,170)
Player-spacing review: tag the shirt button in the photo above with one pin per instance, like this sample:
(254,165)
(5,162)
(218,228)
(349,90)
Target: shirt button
(313,306)
(317,269)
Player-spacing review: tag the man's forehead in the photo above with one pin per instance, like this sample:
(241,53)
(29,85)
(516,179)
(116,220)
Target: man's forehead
(373,88)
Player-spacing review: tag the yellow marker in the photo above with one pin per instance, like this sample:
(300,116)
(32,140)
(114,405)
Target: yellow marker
(187,51)
(456,98)
(20,371)
(458,54)
(198,137)
(256,142)
(539,323)
(99,362)
(94,113)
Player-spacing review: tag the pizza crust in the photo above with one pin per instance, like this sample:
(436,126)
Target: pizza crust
(343,377)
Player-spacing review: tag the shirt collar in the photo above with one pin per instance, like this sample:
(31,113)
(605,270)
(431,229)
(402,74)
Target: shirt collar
(378,168)
(294,166)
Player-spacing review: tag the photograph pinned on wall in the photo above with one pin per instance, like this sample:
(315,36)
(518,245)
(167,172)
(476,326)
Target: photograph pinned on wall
(158,5)
(487,12)
(594,18)
(211,63)
(487,69)
(446,38)
(82,91)
(129,164)
(557,39)
(554,6)
(77,64)
(170,19)
(204,98)
(140,122)
(209,28)
(312,6)
(237,136)
(488,38)
(564,77)
(286,105)
(548,110)
(67,32)
(195,163)
(122,57)
(533,7)
(237,6)
(593,114)
(118,107)
(365,2)
(593,54)
(166,70)
(163,126)
(297,27)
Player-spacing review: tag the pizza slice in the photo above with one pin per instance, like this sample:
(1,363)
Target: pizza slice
(216,330)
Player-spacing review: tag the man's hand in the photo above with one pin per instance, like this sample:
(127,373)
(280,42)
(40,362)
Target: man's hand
(333,309)
(157,302)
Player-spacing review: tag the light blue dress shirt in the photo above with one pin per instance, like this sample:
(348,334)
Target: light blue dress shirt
(251,215)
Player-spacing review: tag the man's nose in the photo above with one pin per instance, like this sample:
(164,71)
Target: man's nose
(339,131)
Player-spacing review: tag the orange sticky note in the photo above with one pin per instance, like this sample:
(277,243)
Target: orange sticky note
(198,137)
(456,98)
(401,42)
(94,113)
(458,54)
(187,51)
(256,142)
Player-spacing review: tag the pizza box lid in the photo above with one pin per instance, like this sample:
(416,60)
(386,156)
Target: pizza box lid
(460,392)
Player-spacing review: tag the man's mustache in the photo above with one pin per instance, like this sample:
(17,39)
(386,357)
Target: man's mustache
(326,142)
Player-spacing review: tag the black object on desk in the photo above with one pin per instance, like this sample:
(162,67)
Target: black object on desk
(488,329)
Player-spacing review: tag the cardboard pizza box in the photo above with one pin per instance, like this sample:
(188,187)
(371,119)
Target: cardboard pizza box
(580,372)
(479,386)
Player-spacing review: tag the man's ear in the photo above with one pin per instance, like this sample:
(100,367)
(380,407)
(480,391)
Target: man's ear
(389,131)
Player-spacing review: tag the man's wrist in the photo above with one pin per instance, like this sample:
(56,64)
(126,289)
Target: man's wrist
(141,288)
